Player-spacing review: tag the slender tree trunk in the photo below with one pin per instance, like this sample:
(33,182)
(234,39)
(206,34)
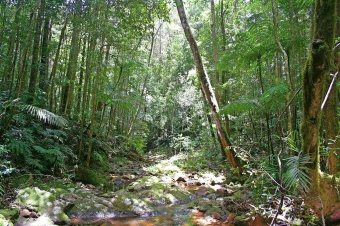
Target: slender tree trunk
(94,104)
(286,72)
(43,79)
(68,89)
(86,93)
(55,65)
(205,82)
(36,47)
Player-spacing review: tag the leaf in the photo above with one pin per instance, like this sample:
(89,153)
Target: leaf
(296,173)
(274,97)
(239,106)
(45,115)
(44,151)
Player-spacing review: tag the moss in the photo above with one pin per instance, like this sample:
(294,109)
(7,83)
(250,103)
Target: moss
(11,214)
(4,221)
(35,198)
(89,176)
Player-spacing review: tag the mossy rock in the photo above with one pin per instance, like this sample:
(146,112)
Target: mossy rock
(11,214)
(35,198)
(4,221)
(89,176)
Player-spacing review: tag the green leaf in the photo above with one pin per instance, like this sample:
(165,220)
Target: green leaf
(274,97)
(296,173)
(239,106)
(45,115)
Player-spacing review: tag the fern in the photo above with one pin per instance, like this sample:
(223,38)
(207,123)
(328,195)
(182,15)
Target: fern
(45,115)
(43,151)
(274,97)
(18,147)
(240,106)
(296,173)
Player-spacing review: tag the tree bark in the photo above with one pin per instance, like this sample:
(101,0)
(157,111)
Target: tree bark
(317,68)
(205,83)
(68,89)
(36,47)
(331,114)
(44,61)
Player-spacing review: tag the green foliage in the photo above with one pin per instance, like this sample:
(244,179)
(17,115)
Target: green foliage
(295,175)
(45,115)
(274,97)
(240,106)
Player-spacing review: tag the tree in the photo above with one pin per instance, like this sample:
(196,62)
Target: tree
(317,68)
(207,88)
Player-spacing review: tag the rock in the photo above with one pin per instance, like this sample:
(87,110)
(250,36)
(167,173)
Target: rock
(89,176)
(180,179)
(231,217)
(24,213)
(221,192)
(43,220)
(216,216)
(35,199)
(4,221)
(202,191)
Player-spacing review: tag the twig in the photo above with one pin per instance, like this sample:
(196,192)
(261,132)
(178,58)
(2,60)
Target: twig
(329,90)
(288,104)
(322,215)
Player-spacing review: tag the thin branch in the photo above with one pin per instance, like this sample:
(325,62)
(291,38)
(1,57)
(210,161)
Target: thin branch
(289,103)
(329,91)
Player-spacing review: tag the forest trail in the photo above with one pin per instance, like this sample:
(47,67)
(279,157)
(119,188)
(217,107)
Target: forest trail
(159,191)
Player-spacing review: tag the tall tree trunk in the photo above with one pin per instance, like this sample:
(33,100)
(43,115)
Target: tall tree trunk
(94,103)
(68,89)
(317,69)
(44,61)
(36,47)
(55,65)
(223,96)
(286,72)
(331,111)
(205,83)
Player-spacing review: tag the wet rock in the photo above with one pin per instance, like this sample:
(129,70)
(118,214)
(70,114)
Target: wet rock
(202,191)
(231,217)
(180,179)
(24,213)
(221,192)
(43,220)
(4,221)
(216,215)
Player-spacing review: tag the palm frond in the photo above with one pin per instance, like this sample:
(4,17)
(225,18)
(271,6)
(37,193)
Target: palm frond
(296,172)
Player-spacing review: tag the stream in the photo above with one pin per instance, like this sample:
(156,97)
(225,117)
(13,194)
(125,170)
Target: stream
(168,216)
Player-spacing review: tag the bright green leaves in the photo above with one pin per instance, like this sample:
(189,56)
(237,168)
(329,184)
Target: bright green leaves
(271,100)
(240,106)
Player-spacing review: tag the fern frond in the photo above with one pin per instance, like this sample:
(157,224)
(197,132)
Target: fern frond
(45,115)
(54,151)
(274,97)
(239,106)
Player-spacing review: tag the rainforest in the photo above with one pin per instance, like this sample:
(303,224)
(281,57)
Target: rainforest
(169,112)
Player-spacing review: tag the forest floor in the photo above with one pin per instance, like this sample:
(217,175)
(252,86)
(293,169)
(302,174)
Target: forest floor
(183,189)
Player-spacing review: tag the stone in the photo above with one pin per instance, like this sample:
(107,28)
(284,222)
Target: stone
(216,215)
(202,191)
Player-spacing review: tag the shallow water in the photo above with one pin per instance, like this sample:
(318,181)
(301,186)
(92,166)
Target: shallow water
(170,215)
